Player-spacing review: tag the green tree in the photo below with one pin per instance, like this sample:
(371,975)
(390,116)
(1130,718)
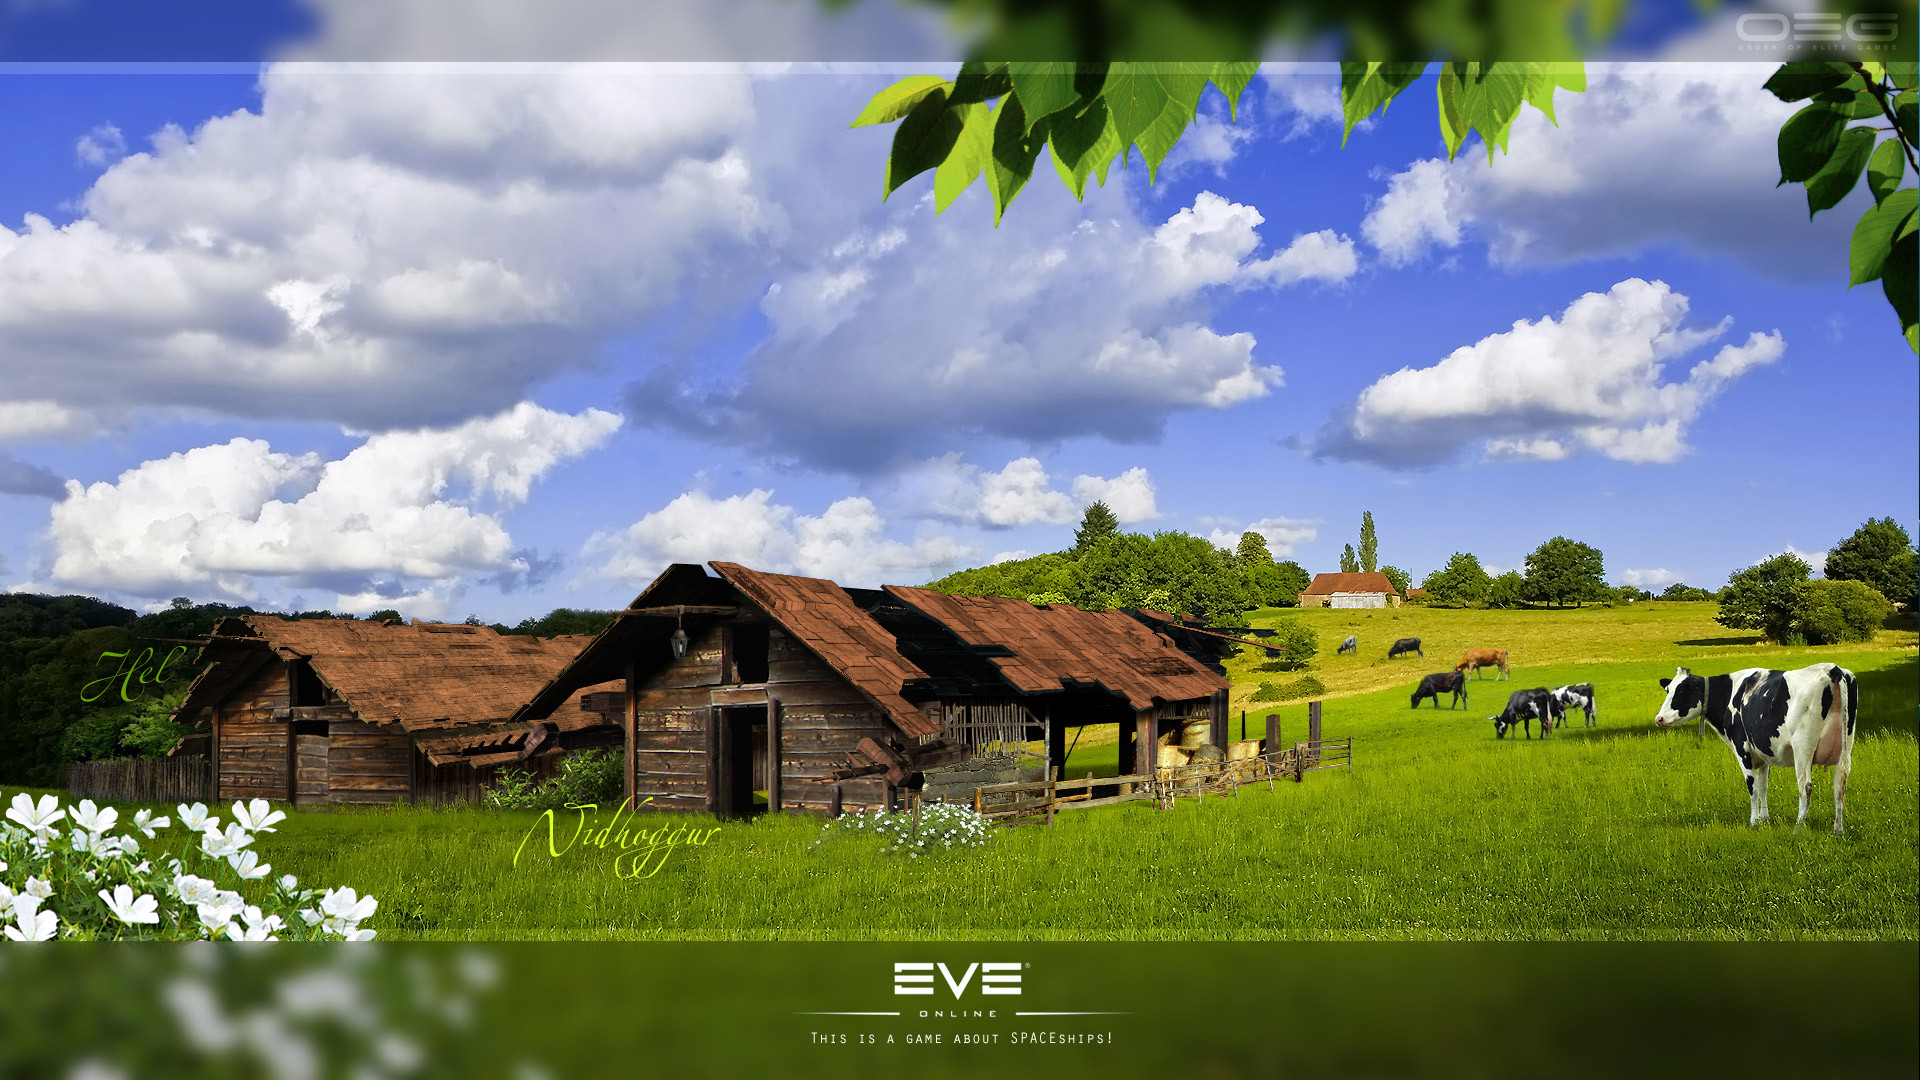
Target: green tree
(1348,563)
(1459,583)
(561,621)
(1400,578)
(1562,570)
(1298,644)
(1096,525)
(1369,543)
(386,614)
(1881,554)
(1253,548)
(1289,581)
(1830,612)
(1509,590)
(1678,591)
(1766,597)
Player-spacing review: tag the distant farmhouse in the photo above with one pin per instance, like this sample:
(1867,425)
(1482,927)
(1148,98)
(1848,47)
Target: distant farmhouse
(1355,590)
(751,692)
(348,711)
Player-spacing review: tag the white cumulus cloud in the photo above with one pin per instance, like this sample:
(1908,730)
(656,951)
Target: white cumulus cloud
(1652,580)
(1283,534)
(1592,379)
(402,514)
(846,542)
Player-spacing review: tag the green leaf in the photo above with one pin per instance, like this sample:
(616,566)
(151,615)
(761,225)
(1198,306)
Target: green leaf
(897,100)
(923,140)
(1491,98)
(969,158)
(1902,286)
(1885,170)
(1903,73)
(1078,143)
(1903,112)
(1043,88)
(1873,235)
(1183,84)
(1134,99)
(1852,104)
(1453,127)
(1540,88)
(1572,77)
(1807,140)
(1842,170)
(1367,86)
(979,81)
(1800,80)
(1231,78)
(1015,146)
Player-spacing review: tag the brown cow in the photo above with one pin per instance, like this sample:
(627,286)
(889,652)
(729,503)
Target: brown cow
(1479,658)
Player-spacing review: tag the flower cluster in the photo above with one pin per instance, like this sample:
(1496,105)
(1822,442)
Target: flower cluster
(85,882)
(942,827)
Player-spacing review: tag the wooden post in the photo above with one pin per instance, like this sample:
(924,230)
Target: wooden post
(1127,755)
(1056,744)
(629,728)
(1217,719)
(713,761)
(1313,721)
(293,769)
(1147,744)
(835,811)
(1050,804)
(1243,725)
(773,755)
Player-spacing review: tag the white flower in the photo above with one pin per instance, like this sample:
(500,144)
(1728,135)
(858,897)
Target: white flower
(145,867)
(251,933)
(129,910)
(255,816)
(81,841)
(220,846)
(359,935)
(6,899)
(3,867)
(248,865)
(39,889)
(288,882)
(195,817)
(35,818)
(215,918)
(38,927)
(23,907)
(194,890)
(146,822)
(93,819)
(310,916)
(346,906)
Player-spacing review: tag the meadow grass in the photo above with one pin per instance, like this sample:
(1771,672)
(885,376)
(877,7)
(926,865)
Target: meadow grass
(1621,831)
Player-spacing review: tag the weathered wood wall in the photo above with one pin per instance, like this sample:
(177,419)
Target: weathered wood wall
(822,717)
(252,745)
(367,763)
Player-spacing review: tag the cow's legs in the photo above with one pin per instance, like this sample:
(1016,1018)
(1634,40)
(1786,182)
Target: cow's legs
(1803,777)
(1840,770)
(1757,787)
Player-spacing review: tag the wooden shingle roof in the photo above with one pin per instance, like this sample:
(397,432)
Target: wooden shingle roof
(1059,646)
(821,616)
(424,677)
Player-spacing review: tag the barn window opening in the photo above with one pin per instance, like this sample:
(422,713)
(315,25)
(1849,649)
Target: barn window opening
(307,687)
(750,653)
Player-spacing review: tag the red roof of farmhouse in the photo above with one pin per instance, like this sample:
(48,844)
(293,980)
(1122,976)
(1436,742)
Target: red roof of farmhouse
(1361,582)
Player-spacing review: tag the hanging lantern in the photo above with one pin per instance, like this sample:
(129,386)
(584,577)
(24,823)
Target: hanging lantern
(679,642)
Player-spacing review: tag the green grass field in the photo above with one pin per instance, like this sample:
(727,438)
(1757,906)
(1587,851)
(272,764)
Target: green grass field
(1622,831)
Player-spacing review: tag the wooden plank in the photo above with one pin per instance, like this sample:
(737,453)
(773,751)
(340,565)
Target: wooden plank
(774,748)
(1111,800)
(713,761)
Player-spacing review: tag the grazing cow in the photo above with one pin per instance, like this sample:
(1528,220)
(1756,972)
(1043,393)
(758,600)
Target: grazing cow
(1578,696)
(1479,658)
(1447,682)
(1524,707)
(1768,717)
(1405,645)
(1352,645)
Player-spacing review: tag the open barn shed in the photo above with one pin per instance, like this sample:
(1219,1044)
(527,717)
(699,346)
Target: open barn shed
(750,692)
(346,711)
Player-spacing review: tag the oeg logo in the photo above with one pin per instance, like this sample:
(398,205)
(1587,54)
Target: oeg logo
(994,978)
(1817,26)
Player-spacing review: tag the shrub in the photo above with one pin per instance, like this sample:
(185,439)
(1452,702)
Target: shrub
(1678,591)
(1298,641)
(586,776)
(1509,590)
(1305,686)
(1830,612)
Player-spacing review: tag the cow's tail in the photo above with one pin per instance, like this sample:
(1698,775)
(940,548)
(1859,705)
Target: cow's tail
(1834,724)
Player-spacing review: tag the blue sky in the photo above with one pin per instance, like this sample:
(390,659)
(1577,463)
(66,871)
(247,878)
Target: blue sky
(488,340)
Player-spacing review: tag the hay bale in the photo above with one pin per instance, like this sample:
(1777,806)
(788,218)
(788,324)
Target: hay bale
(1171,757)
(1205,754)
(1241,751)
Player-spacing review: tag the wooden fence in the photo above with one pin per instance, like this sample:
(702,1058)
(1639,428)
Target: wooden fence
(1037,803)
(161,780)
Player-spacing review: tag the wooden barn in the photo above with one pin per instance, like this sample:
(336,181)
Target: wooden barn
(750,692)
(344,711)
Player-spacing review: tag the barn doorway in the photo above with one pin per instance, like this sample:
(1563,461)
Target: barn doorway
(742,780)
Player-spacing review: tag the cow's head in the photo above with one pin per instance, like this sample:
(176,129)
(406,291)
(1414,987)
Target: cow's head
(1500,725)
(1686,696)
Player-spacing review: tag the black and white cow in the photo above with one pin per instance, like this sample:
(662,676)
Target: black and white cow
(1405,645)
(1447,682)
(1769,717)
(1524,707)
(1578,696)
(1351,644)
